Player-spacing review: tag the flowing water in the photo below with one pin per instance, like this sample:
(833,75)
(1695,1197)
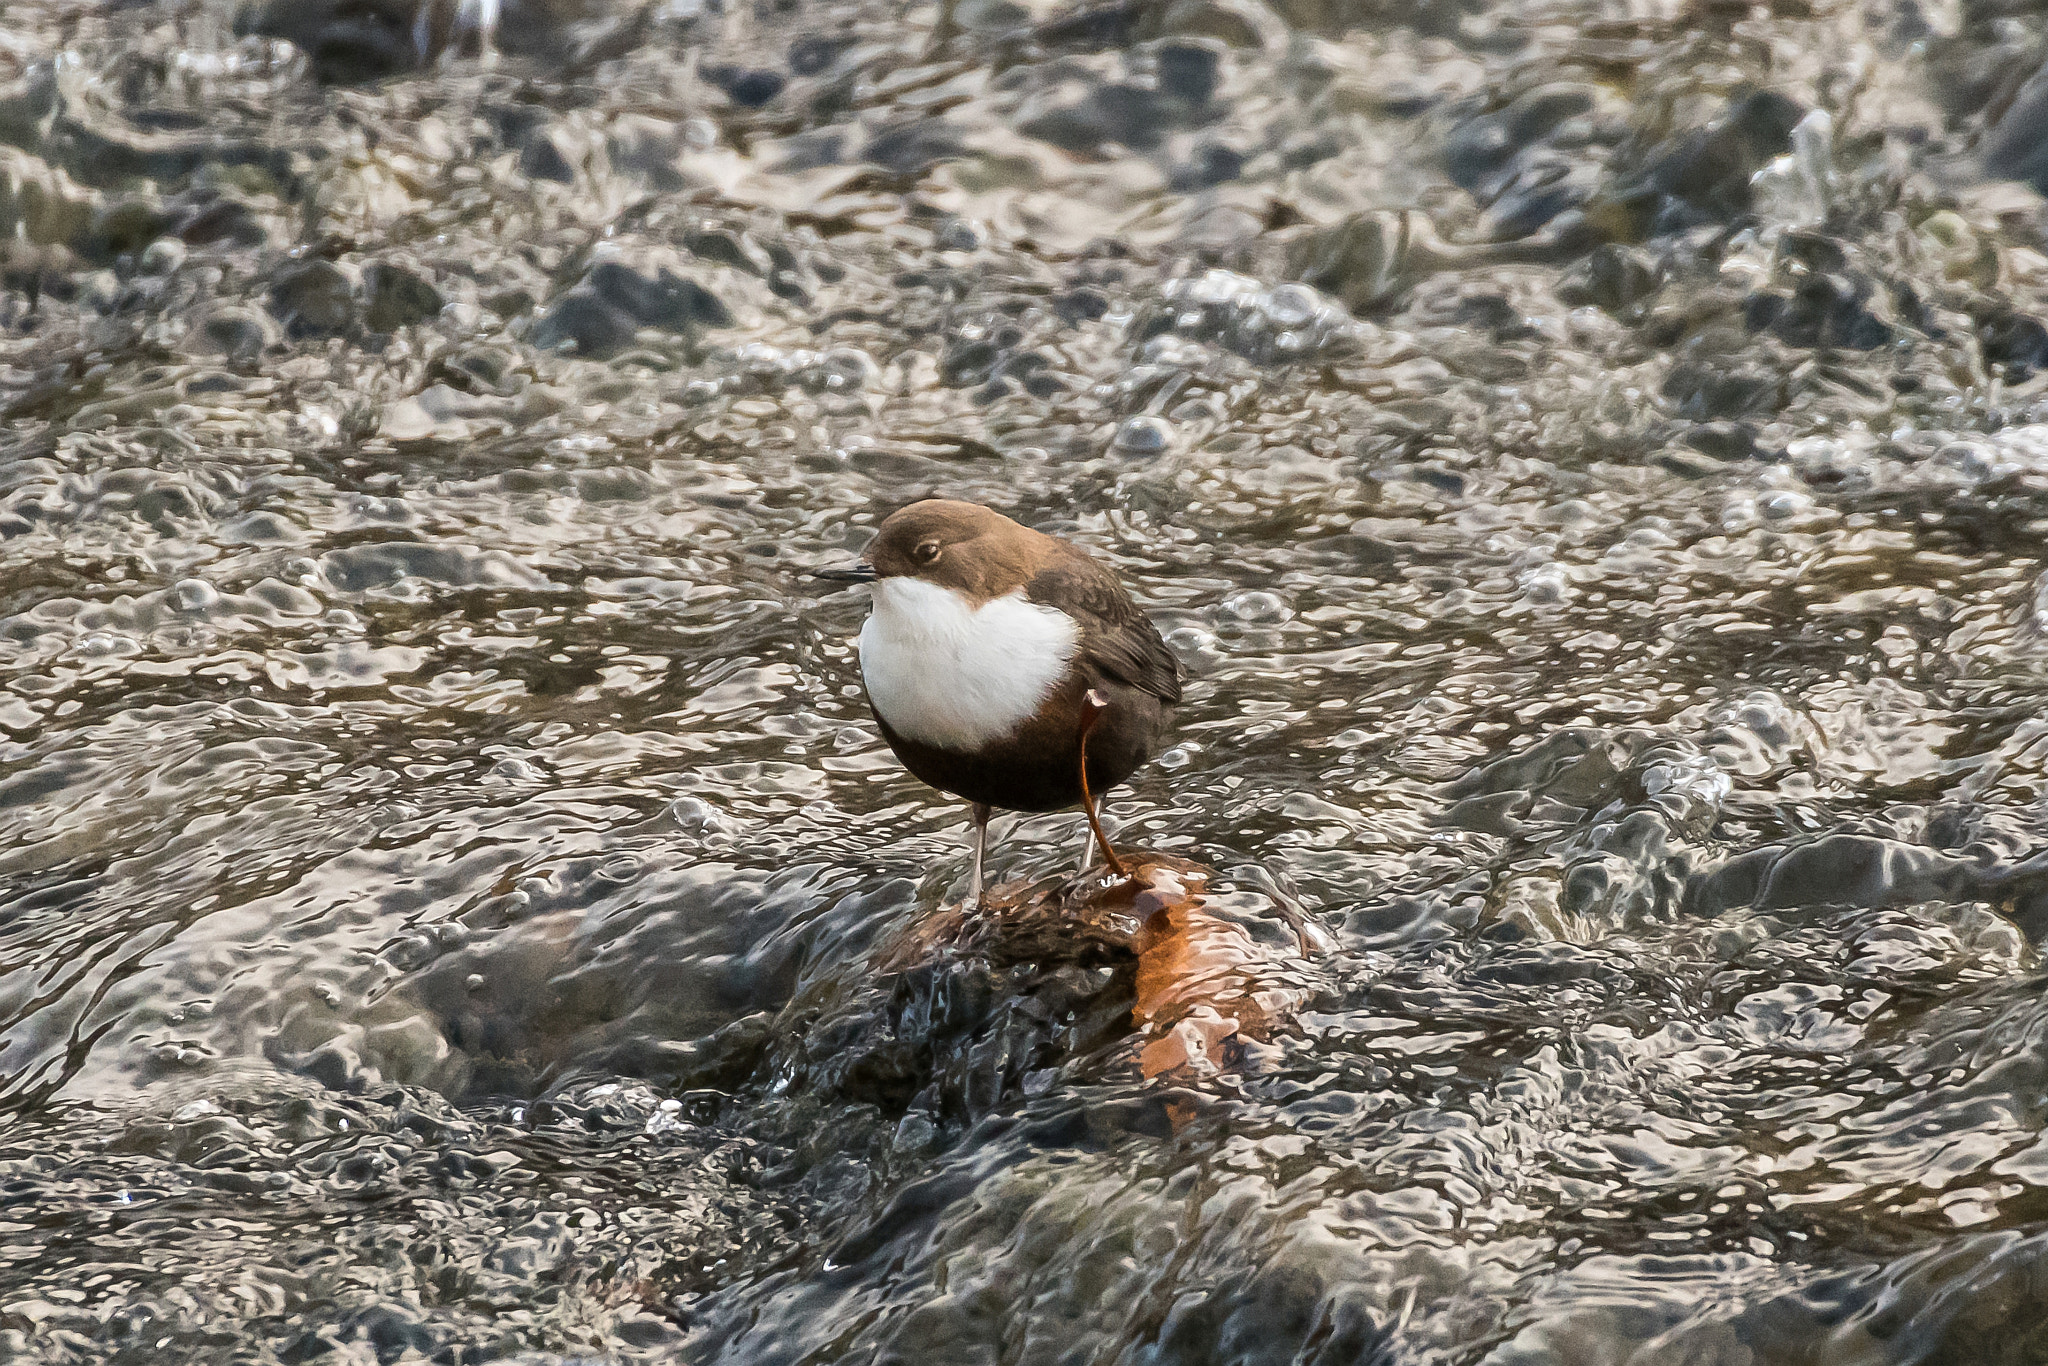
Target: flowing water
(1590,458)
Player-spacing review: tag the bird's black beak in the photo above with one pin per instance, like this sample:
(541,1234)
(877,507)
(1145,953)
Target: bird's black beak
(853,573)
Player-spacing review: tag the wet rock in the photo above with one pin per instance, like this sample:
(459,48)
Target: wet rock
(589,325)
(1705,390)
(441,413)
(239,334)
(1612,277)
(913,147)
(1723,440)
(161,257)
(1701,175)
(747,87)
(542,157)
(665,299)
(35,270)
(972,360)
(600,316)
(1212,164)
(345,42)
(1132,116)
(1189,71)
(316,298)
(956,234)
(2016,146)
(127,225)
(1206,987)
(1234,23)
(510,303)
(736,249)
(2013,340)
(1823,310)
(397,296)
(1480,148)
(209,218)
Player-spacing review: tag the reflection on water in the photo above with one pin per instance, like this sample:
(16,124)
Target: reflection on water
(1590,463)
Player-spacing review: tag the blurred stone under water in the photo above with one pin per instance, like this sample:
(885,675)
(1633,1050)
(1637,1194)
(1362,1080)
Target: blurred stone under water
(1591,459)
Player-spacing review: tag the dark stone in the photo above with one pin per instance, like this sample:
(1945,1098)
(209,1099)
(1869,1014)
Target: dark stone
(542,159)
(344,44)
(510,303)
(600,316)
(1723,440)
(1480,148)
(1130,115)
(1832,871)
(1612,277)
(1364,261)
(2013,340)
(1545,185)
(397,297)
(2016,147)
(1710,169)
(129,225)
(586,322)
(392,1331)
(730,249)
(967,362)
(1705,390)
(236,333)
(664,300)
(480,369)
(913,148)
(1212,164)
(1080,305)
(1189,71)
(748,87)
(1825,310)
(314,298)
(1488,310)
(220,220)
(1816,251)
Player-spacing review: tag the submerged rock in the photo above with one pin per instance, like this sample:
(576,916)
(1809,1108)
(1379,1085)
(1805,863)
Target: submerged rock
(397,296)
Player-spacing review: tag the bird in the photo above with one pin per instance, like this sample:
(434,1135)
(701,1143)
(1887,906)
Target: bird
(1008,667)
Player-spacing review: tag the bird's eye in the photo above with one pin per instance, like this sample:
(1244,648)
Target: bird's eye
(926,552)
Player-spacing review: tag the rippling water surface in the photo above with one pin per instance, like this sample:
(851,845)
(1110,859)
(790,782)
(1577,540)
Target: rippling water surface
(1591,460)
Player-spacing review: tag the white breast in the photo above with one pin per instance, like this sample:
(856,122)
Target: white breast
(943,672)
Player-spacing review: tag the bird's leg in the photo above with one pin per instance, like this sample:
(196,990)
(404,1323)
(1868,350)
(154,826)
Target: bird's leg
(981,815)
(1087,847)
(1093,705)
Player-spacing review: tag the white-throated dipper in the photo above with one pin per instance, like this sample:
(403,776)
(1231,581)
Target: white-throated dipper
(1007,666)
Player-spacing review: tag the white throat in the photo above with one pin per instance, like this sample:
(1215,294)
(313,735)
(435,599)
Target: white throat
(943,672)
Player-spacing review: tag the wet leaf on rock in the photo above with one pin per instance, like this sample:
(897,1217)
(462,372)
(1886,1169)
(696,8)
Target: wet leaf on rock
(1205,986)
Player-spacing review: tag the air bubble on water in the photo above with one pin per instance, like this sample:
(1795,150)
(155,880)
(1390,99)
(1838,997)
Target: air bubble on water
(1257,605)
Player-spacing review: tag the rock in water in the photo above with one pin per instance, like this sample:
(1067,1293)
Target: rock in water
(1207,991)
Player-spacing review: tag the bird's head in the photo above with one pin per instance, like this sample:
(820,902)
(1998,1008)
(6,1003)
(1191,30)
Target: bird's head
(976,552)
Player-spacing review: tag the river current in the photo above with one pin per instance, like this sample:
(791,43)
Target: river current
(1590,459)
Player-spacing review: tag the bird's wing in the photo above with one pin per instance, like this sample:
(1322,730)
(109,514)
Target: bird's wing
(1115,636)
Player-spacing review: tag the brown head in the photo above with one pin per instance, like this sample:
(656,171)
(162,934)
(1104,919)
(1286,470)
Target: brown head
(962,546)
